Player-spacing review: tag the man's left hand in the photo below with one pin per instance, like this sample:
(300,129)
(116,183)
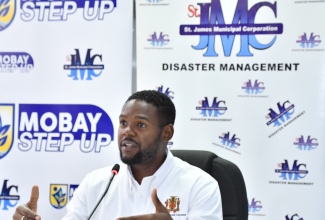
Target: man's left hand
(161,211)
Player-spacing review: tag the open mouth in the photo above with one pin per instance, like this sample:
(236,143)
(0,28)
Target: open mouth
(128,144)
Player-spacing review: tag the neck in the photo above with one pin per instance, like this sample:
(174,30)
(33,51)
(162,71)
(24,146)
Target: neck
(147,168)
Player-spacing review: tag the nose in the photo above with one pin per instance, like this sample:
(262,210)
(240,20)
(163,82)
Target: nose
(128,132)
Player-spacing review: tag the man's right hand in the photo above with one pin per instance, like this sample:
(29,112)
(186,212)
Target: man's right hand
(29,210)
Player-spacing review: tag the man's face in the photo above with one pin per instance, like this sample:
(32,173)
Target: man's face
(139,134)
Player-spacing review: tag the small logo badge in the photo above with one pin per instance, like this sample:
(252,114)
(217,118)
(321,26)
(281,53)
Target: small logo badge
(158,40)
(7,13)
(167,92)
(232,142)
(172,204)
(284,113)
(296,172)
(253,88)
(255,206)
(310,41)
(6,128)
(58,195)
(216,108)
(8,196)
(294,217)
(306,143)
(84,70)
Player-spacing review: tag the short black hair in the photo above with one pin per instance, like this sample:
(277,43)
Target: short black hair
(165,106)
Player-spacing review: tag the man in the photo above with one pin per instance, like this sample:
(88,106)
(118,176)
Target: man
(152,183)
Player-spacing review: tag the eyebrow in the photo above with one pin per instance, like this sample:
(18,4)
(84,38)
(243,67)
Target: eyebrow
(137,117)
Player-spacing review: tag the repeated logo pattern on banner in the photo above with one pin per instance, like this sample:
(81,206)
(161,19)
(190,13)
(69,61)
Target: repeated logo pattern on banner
(246,77)
(61,67)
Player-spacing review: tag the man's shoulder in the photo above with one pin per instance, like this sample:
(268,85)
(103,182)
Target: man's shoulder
(185,169)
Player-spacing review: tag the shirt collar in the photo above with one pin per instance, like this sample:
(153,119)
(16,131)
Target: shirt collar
(159,175)
(164,169)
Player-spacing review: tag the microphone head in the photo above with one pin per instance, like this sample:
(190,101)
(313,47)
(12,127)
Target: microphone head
(115,169)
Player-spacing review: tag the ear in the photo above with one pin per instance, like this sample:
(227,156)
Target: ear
(168,132)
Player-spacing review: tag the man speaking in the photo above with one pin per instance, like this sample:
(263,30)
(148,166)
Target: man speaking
(150,183)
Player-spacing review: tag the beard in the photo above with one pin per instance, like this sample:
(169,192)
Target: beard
(143,155)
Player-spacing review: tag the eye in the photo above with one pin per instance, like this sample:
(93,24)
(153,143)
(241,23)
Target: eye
(122,122)
(141,125)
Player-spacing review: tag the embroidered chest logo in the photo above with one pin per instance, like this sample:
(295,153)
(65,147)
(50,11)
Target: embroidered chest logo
(172,204)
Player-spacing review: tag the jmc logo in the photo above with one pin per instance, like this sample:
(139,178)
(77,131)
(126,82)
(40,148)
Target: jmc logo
(254,206)
(309,42)
(158,40)
(167,92)
(253,88)
(232,142)
(284,113)
(87,70)
(294,217)
(7,199)
(295,173)
(212,23)
(214,110)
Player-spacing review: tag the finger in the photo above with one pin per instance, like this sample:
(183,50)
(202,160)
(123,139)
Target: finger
(155,200)
(32,204)
(138,217)
(154,216)
(24,210)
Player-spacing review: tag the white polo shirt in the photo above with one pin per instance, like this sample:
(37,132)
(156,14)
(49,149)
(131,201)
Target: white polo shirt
(187,191)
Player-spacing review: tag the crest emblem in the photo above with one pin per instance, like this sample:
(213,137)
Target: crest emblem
(58,195)
(7,13)
(172,204)
(6,128)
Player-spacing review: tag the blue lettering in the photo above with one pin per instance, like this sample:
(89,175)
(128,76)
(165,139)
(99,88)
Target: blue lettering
(242,16)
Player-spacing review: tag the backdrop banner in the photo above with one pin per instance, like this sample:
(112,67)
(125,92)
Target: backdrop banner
(61,67)
(247,79)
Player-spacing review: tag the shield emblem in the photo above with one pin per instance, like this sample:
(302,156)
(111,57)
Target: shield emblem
(6,128)
(58,195)
(7,13)
(172,204)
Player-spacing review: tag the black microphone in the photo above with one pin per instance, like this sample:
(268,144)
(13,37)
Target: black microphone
(115,170)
